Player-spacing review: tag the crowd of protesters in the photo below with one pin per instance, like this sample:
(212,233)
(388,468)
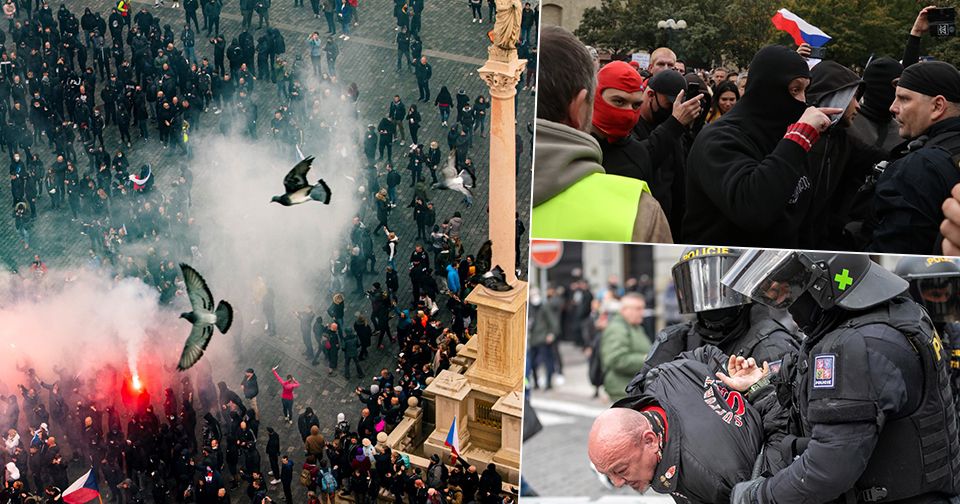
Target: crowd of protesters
(788,152)
(64,82)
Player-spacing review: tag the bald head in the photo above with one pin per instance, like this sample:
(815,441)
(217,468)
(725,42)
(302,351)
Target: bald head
(623,447)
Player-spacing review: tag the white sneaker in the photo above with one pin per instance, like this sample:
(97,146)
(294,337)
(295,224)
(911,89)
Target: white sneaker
(275,482)
(559,379)
(346,38)
(270,473)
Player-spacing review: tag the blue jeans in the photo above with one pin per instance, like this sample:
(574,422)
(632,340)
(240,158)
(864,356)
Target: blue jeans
(392,194)
(287,408)
(444,114)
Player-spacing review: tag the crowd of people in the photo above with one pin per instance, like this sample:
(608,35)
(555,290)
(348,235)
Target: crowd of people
(205,445)
(788,152)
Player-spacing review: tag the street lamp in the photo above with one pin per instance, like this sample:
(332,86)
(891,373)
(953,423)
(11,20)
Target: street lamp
(669,26)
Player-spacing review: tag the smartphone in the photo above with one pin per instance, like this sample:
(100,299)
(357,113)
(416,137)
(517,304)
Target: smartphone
(943,22)
(693,89)
(818,53)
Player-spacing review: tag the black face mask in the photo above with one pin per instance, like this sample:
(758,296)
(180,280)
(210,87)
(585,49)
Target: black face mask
(723,318)
(807,313)
(662,113)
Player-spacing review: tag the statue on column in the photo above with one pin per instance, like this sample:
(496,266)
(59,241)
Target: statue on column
(506,31)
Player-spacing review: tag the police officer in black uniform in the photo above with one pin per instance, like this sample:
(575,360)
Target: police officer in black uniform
(725,318)
(935,284)
(872,417)
(689,435)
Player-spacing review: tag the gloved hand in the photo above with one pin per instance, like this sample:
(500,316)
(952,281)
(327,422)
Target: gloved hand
(747,492)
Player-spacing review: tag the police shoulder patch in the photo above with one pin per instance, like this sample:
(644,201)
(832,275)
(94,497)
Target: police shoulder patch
(824,371)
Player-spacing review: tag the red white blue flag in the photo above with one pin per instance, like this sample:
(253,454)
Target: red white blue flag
(800,30)
(453,439)
(83,490)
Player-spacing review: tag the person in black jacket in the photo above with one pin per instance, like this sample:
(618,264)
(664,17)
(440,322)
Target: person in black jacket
(686,434)
(423,72)
(286,477)
(307,420)
(871,413)
(403,47)
(273,454)
(911,191)
(724,318)
(250,389)
(747,183)
(387,130)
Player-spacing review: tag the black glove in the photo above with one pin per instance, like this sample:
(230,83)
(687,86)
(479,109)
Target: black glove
(747,492)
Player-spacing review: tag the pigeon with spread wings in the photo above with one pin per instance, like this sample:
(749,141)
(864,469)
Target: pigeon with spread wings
(203,317)
(297,190)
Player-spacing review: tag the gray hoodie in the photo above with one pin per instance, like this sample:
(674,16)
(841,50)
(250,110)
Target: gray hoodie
(564,155)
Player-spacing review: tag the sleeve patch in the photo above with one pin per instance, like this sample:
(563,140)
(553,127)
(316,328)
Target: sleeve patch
(824,371)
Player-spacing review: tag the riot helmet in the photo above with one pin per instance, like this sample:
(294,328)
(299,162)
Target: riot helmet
(697,275)
(778,278)
(934,283)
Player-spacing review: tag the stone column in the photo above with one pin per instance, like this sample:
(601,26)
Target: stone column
(501,73)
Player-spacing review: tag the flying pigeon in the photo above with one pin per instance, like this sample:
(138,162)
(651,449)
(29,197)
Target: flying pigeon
(203,317)
(297,190)
(455,181)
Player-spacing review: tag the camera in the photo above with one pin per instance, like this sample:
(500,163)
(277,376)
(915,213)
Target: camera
(942,22)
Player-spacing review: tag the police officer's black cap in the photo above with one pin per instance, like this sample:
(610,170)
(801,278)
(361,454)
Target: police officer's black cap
(932,78)
(668,83)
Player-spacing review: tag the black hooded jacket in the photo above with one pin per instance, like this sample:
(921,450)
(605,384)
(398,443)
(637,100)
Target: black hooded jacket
(834,179)
(746,185)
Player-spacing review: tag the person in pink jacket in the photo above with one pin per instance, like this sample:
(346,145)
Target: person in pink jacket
(286,397)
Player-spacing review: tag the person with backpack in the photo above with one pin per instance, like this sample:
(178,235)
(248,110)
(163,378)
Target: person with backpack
(308,473)
(327,483)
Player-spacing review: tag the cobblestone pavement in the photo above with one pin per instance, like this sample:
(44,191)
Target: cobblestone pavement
(456,48)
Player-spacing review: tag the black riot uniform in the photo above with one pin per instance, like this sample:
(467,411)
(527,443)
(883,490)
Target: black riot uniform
(872,416)
(935,284)
(725,318)
(712,434)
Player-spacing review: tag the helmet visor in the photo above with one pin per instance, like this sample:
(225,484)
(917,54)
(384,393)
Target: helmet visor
(698,284)
(939,297)
(775,278)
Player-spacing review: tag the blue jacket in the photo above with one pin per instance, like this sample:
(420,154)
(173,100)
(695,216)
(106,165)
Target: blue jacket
(453,279)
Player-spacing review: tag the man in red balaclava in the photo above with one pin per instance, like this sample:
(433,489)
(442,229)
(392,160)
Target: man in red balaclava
(616,110)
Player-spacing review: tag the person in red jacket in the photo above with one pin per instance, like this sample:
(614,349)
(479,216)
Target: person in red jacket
(286,397)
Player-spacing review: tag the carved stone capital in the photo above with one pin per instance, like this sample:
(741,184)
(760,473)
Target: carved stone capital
(502,77)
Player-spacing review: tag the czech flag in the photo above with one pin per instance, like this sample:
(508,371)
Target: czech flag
(83,490)
(453,439)
(800,30)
